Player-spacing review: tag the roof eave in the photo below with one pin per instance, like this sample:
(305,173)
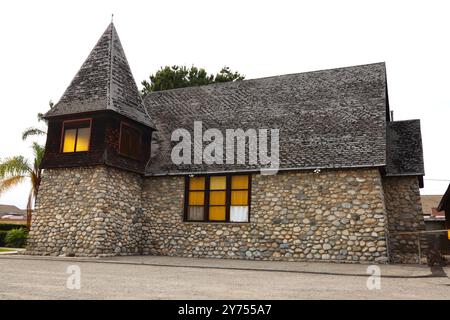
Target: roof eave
(149,174)
(148,124)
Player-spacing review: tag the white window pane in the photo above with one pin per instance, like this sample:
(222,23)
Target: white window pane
(239,213)
(195,213)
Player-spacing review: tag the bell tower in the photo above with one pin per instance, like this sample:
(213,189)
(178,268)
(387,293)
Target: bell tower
(98,144)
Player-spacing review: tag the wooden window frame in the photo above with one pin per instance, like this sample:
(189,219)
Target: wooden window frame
(127,124)
(63,135)
(206,199)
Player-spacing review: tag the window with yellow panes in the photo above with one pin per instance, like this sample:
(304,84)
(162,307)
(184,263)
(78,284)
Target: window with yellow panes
(196,199)
(76,136)
(218,198)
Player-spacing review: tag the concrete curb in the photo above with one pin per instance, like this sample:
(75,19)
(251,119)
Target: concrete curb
(309,268)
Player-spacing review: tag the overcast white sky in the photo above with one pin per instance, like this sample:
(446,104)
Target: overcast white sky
(43,44)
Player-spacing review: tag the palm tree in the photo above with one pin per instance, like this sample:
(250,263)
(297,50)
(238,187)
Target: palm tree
(17,169)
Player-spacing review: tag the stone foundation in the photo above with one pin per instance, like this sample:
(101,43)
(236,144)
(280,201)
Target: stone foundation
(336,215)
(331,216)
(405,215)
(91,211)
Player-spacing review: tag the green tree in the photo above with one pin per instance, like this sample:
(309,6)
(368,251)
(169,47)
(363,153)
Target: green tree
(181,76)
(16,238)
(17,169)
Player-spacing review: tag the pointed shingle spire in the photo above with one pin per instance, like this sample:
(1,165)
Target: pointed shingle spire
(104,82)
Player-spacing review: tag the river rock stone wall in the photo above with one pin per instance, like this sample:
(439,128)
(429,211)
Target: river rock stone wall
(335,215)
(91,211)
(405,215)
(331,216)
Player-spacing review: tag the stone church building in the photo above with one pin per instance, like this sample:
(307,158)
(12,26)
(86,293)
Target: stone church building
(348,179)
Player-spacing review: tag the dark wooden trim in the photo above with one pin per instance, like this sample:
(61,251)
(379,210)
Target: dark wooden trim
(206,200)
(94,113)
(249,196)
(207,190)
(63,133)
(186,198)
(228,198)
(125,123)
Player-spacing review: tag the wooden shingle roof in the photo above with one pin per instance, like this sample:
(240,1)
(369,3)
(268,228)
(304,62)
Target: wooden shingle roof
(104,82)
(404,148)
(327,119)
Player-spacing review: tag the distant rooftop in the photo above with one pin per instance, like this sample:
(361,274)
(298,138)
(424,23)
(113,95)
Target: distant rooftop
(430,202)
(10,209)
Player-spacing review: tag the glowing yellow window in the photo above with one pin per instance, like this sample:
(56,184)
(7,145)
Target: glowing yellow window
(239,182)
(218,183)
(217,213)
(77,135)
(196,198)
(197,183)
(84,135)
(69,140)
(239,198)
(217,197)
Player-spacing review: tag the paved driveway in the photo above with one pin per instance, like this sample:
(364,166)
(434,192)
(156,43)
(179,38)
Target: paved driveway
(180,278)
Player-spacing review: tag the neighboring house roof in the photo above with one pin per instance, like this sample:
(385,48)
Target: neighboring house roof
(9,209)
(430,202)
(327,119)
(404,148)
(104,82)
(13,217)
(429,218)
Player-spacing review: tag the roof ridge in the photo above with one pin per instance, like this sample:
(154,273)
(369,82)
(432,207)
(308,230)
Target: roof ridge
(111,48)
(268,77)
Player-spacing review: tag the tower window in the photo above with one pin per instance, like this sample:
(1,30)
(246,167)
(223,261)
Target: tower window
(76,135)
(130,141)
